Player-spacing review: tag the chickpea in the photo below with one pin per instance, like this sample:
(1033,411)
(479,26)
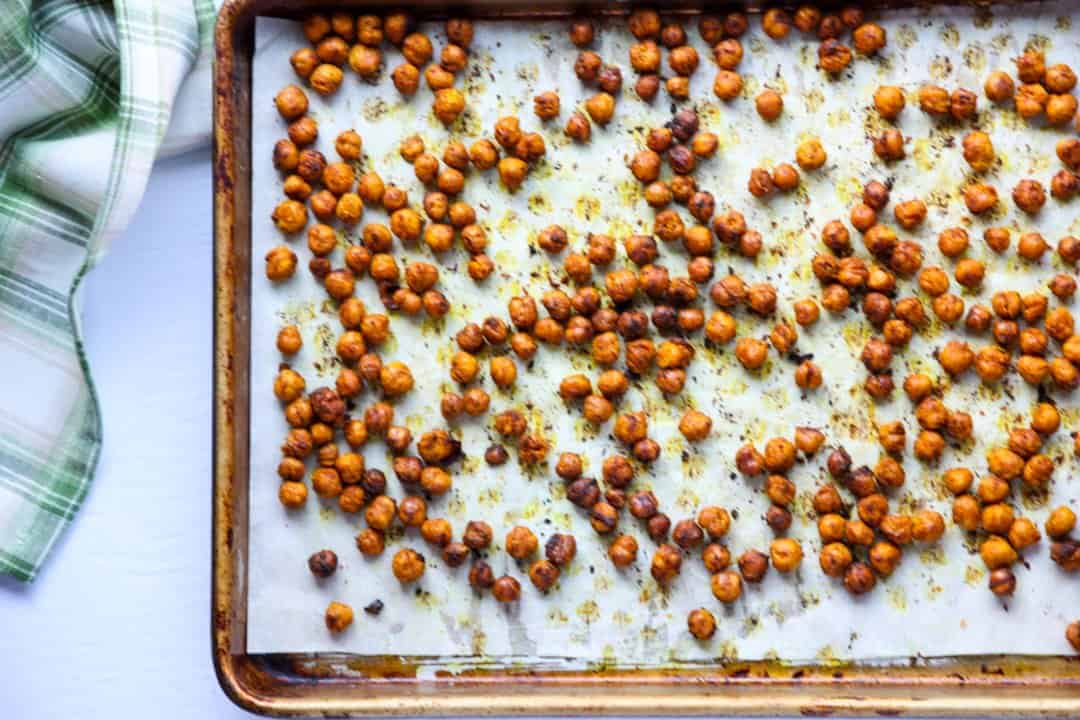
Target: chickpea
(601,108)
(997,553)
(1072,634)
(1031,100)
(1029,196)
(701,623)
(869,38)
(998,87)
(1064,185)
(884,557)
(512,172)
(1023,534)
(1031,66)
(1060,109)
(1060,522)
(810,155)
(666,564)
(727,85)
(833,56)
(521,542)
(889,146)
(365,62)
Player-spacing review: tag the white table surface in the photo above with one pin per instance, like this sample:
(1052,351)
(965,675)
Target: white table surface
(117,623)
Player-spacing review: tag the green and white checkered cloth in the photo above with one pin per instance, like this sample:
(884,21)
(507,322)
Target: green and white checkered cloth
(87,88)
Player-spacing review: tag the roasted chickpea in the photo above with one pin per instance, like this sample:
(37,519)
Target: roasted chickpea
(889,146)
(521,542)
(999,86)
(810,155)
(666,564)
(727,85)
(1031,100)
(365,62)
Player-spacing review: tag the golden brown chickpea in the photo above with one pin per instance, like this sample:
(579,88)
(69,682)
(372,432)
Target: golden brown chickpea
(929,445)
(889,146)
(601,108)
(889,101)
(956,357)
(701,623)
(833,56)
(776,23)
(1023,534)
(1064,185)
(1029,196)
(884,557)
(1031,66)
(997,553)
(785,177)
(934,100)
(1031,246)
(998,87)
(512,172)
(728,54)
(810,155)
(666,564)
(728,85)
(406,78)
(1060,522)
(623,550)
(769,105)
(1031,100)
(1060,109)
(997,518)
(587,66)
(448,104)
(869,38)
(963,104)
(695,425)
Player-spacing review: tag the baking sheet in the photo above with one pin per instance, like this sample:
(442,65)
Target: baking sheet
(936,604)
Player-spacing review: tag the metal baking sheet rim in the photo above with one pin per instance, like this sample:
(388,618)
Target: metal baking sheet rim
(323,684)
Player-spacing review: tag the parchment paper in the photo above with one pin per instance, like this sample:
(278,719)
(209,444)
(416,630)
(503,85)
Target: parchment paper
(936,604)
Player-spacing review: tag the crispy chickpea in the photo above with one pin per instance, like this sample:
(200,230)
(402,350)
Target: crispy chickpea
(833,56)
(666,564)
(521,542)
(1064,185)
(962,104)
(889,101)
(776,23)
(1060,522)
(997,553)
(999,86)
(727,85)
(1031,66)
(997,518)
(859,579)
(1031,100)
(810,155)
(869,38)
(889,146)
(751,352)
(1023,534)
(512,172)
(1060,109)
(884,557)
(448,104)
(365,61)
(601,108)
(701,623)
(1029,196)
(934,100)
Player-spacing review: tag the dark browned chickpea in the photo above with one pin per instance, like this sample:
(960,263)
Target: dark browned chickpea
(859,578)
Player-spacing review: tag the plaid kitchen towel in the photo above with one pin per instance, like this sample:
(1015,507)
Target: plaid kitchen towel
(86,91)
